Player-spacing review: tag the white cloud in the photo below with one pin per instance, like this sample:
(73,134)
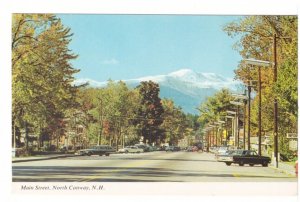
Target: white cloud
(111,61)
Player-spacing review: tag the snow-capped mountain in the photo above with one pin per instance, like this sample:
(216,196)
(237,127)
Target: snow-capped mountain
(187,88)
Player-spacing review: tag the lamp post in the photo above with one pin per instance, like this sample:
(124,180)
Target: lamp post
(208,138)
(221,123)
(230,117)
(275,102)
(234,125)
(213,134)
(244,98)
(237,122)
(244,124)
(260,64)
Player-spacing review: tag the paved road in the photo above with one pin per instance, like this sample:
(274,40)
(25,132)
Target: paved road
(145,167)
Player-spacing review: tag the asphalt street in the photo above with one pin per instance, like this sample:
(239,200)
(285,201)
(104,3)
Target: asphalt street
(144,167)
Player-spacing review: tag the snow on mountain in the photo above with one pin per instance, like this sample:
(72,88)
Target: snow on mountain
(187,88)
(91,82)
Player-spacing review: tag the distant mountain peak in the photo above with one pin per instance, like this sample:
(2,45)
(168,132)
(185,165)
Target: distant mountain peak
(182,72)
(186,87)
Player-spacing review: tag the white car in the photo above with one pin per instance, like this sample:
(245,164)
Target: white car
(131,149)
(221,150)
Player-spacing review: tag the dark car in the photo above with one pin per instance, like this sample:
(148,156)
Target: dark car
(97,150)
(172,148)
(252,158)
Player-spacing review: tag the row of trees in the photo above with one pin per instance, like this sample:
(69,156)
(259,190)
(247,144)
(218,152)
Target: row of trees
(47,105)
(122,115)
(255,40)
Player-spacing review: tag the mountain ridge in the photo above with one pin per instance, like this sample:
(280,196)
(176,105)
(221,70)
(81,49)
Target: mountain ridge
(187,88)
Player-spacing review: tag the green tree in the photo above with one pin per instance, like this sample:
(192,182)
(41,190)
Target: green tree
(150,111)
(175,122)
(215,107)
(255,34)
(42,75)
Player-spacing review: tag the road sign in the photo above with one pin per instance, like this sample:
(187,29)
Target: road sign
(236,103)
(292,135)
(293,145)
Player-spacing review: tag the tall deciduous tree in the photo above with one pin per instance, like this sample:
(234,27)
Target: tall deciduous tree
(175,122)
(150,111)
(42,75)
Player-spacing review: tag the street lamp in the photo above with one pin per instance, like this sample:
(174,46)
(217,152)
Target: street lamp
(214,126)
(207,129)
(260,64)
(240,96)
(235,126)
(236,103)
(231,112)
(220,122)
(255,62)
(237,123)
(232,126)
(244,98)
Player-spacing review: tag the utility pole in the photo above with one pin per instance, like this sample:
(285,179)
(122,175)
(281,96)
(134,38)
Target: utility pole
(216,133)
(275,103)
(207,136)
(101,121)
(249,113)
(237,127)
(259,110)
(244,123)
(226,131)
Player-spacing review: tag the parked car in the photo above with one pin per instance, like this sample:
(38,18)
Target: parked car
(221,150)
(131,149)
(195,149)
(142,146)
(213,149)
(97,150)
(228,156)
(250,157)
(172,148)
(189,149)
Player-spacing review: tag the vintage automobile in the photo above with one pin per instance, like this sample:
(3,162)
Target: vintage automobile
(172,148)
(249,157)
(97,150)
(221,151)
(228,156)
(131,149)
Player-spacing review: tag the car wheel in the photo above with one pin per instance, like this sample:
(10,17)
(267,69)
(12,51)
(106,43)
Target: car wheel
(107,154)
(251,164)
(228,163)
(265,164)
(89,154)
(241,163)
(100,154)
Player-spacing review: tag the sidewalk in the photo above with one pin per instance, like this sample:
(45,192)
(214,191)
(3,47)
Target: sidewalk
(283,167)
(40,157)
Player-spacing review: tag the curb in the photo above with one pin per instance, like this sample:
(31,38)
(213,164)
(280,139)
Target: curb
(291,173)
(41,159)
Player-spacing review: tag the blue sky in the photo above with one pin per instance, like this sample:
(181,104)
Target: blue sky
(131,46)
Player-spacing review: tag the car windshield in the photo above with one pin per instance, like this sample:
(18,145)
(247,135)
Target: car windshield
(238,152)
